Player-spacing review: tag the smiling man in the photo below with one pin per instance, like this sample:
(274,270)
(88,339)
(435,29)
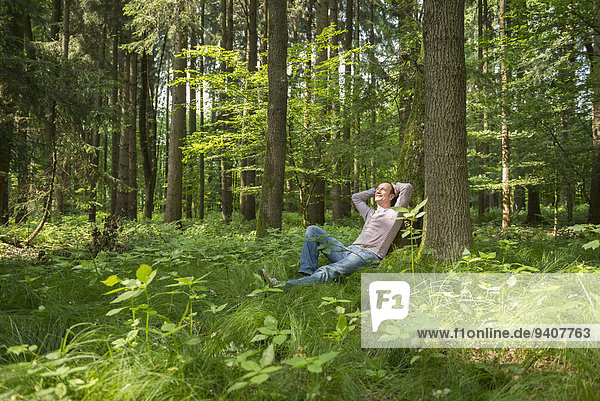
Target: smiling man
(380,229)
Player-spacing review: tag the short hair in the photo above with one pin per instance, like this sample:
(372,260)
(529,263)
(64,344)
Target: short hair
(395,198)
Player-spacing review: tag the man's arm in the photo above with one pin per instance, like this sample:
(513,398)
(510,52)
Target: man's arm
(359,199)
(404,192)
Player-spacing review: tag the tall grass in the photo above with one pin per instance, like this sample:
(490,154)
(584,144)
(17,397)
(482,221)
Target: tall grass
(56,341)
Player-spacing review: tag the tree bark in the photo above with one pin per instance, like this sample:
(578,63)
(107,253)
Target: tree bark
(248,175)
(534,212)
(148,161)
(316,205)
(506,203)
(274,165)
(192,126)
(447,224)
(226,174)
(175,177)
(122,207)
(594,210)
(346,166)
(133,188)
(337,135)
(114,168)
(200,207)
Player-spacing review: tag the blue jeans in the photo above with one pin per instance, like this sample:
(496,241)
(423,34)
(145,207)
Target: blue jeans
(344,260)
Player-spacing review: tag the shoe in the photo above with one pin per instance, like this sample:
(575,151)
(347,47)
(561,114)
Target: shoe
(271,282)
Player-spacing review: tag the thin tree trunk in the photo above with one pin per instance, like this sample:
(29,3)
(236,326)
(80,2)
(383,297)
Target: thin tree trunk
(133,188)
(248,174)
(345,166)
(192,126)
(145,147)
(66,36)
(337,136)
(594,210)
(447,224)
(316,205)
(226,174)
(115,132)
(175,177)
(274,166)
(123,173)
(201,156)
(506,203)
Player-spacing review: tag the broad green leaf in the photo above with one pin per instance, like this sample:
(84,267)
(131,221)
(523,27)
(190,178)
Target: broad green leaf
(126,295)
(112,280)
(295,361)
(258,337)
(327,357)
(279,339)
(258,379)
(267,331)
(592,245)
(237,386)
(270,369)
(60,390)
(315,368)
(267,356)
(341,323)
(250,365)
(132,334)
(168,327)
(143,273)
(114,311)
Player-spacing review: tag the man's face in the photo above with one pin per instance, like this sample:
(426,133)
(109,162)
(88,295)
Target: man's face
(384,194)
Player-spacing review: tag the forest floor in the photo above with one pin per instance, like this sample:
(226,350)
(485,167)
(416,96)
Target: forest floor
(189,319)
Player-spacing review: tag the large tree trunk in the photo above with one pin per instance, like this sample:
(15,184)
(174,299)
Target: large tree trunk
(316,205)
(594,211)
(448,224)
(274,167)
(175,177)
(248,175)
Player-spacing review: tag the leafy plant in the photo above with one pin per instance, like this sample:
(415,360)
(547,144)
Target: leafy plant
(131,288)
(411,215)
(313,364)
(269,330)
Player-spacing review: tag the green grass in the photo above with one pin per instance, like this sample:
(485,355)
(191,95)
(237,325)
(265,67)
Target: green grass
(55,305)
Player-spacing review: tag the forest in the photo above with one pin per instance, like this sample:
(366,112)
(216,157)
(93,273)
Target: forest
(155,154)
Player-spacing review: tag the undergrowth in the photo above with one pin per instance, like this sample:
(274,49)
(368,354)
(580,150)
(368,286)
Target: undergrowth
(198,322)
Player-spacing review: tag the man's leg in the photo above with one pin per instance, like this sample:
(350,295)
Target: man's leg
(356,258)
(314,237)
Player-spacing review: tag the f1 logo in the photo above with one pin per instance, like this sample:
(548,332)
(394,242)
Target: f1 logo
(389,301)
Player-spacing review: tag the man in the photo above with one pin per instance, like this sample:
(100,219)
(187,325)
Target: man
(379,230)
